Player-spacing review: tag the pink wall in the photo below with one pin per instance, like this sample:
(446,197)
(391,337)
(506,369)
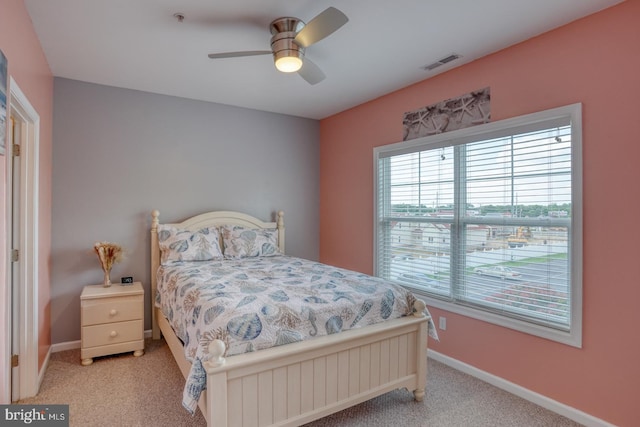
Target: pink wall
(28,67)
(594,61)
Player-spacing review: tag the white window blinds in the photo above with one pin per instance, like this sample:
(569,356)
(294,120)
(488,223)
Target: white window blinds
(485,219)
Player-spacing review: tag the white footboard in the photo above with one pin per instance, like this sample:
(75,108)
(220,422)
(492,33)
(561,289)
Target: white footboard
(289,386)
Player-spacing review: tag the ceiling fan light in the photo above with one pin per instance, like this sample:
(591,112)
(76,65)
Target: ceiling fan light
(287,55)
(288,64)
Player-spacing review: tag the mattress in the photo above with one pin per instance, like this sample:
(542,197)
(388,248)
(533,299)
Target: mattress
(256,303)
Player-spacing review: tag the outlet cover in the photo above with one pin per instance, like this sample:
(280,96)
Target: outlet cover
(443,323)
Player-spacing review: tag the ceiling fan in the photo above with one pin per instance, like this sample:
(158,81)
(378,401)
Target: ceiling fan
(291,36)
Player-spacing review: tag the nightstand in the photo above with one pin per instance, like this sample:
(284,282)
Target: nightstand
(112,320)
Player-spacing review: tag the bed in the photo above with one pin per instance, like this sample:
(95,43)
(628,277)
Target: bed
(284,385)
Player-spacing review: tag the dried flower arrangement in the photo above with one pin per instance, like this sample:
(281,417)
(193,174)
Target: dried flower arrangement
(108,254)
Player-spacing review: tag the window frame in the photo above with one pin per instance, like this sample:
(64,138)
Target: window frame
(520,124)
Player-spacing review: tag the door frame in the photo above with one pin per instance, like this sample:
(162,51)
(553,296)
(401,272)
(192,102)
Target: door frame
(28,280)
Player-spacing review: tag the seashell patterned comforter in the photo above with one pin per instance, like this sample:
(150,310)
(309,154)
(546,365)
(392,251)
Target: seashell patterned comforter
(257,303)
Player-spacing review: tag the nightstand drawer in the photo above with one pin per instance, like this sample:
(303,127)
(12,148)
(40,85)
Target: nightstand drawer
(112,333)
(107,310)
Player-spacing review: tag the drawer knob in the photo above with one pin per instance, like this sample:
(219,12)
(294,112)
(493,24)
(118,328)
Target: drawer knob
(113,334)
(113,312)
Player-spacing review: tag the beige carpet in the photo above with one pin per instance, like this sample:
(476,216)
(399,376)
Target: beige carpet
(146,391)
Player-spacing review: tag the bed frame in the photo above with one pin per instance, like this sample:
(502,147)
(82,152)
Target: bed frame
(297,383)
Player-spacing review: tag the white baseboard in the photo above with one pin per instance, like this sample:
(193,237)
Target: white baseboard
(72,345)
(537,398)
(45,364)
(63,346)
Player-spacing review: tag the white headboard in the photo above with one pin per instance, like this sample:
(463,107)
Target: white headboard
(208,219)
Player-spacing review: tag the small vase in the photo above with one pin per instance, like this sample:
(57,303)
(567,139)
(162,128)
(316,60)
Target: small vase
(107,279)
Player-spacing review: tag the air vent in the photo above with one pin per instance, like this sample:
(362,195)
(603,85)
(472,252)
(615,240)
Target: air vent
(442,61)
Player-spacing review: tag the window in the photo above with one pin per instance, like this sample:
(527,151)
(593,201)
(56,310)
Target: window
(487,221)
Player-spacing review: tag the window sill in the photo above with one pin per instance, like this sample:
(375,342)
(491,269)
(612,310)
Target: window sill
(573,338)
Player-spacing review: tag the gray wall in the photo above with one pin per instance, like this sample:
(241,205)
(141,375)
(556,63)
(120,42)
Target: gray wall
(119,153)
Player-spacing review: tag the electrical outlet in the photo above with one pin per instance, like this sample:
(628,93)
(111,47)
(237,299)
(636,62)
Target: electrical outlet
(443,323)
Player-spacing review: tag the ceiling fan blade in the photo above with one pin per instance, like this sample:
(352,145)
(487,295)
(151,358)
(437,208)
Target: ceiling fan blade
(238,54)
(323,25)
(311,72)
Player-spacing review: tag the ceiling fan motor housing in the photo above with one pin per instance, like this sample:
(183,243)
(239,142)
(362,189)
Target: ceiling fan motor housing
(284,30)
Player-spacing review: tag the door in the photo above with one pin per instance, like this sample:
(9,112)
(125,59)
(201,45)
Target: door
(22,234)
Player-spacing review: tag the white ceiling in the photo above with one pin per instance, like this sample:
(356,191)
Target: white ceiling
(138,44)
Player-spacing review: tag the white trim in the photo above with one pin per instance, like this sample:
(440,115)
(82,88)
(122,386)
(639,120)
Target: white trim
(64,346)
(5,394)
(573,339)
(43,370)
(533,397)
(27,300)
